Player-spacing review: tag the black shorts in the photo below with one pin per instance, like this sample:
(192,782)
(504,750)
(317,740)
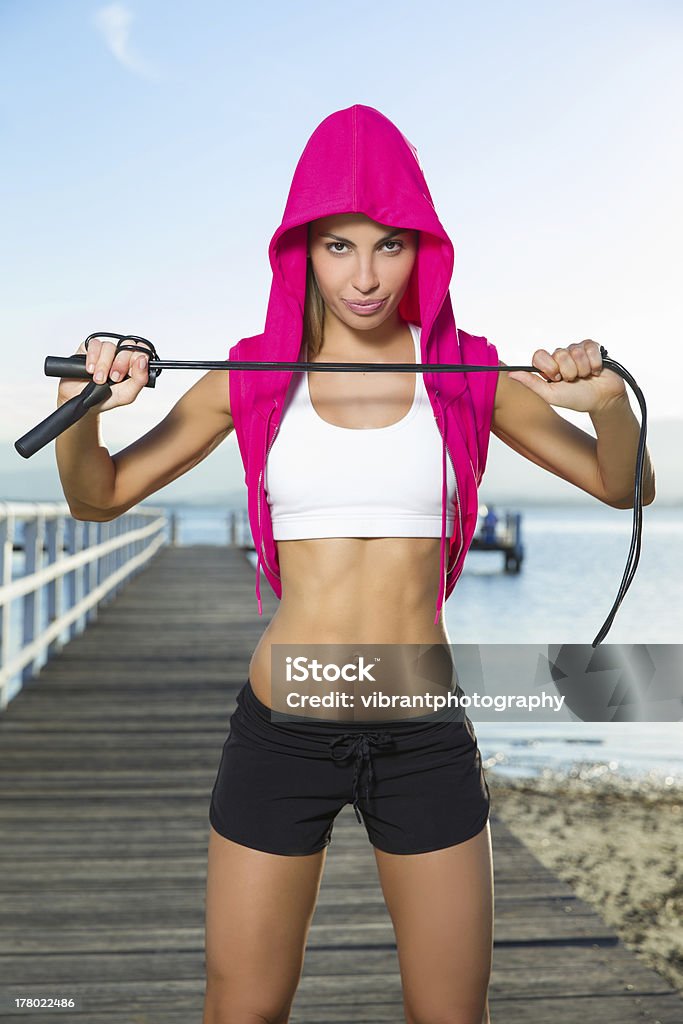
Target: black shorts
(419,785)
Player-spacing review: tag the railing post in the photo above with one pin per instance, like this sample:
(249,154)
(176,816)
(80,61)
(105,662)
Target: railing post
(69,577)
(34,538)
(55,589)
(120,551)
(91,540)
(79,576)
(136,523)
(6,558)
(106,561)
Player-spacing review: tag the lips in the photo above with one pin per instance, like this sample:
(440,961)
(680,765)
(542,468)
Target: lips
(364,308)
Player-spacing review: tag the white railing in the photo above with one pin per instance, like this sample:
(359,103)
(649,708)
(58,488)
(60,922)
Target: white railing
(70,568)
(236,532)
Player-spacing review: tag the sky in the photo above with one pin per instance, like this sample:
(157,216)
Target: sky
(148,149)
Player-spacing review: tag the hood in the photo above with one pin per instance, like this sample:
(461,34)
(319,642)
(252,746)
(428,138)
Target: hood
(356,161)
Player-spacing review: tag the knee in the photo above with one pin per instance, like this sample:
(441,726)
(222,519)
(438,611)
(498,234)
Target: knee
(235,1016)
(451,1018)
(458,1015)
(223,1006)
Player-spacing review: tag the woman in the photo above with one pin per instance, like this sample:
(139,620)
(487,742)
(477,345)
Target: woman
(362,492)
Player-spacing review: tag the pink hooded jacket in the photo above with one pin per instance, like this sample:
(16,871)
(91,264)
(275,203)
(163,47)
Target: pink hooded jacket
(357,161)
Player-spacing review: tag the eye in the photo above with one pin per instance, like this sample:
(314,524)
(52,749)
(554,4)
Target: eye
(391,241)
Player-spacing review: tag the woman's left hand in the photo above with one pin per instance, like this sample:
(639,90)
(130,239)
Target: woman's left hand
(576,378)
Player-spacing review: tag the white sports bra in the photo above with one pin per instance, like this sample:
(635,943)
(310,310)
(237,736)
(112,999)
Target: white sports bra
(323,480)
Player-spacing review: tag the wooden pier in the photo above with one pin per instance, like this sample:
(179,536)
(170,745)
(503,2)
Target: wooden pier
(107,760)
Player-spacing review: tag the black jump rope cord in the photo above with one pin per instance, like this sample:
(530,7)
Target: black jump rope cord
(155,366)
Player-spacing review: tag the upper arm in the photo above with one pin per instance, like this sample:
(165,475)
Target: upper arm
(531,427)
(196,424)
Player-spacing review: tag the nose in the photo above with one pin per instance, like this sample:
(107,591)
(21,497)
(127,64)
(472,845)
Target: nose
(365,279)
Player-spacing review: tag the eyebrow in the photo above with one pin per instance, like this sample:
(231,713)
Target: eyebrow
(328,234)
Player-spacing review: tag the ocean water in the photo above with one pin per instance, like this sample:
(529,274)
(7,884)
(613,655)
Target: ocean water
(574,559)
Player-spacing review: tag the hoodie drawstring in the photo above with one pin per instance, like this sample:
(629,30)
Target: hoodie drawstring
(444,503)
(261,490)
(359,744)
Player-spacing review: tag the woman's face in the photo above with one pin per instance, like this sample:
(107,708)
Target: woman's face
(354,261)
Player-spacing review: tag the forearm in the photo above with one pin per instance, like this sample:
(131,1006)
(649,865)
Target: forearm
(86,469)
(618,432)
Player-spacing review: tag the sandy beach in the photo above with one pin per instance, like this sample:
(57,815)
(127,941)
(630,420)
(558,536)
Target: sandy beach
(617,842)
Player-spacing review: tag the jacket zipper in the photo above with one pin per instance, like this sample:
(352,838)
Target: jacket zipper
(457,492)
(258,504)
(457,495)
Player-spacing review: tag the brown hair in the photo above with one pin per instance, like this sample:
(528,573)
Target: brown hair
(314,316)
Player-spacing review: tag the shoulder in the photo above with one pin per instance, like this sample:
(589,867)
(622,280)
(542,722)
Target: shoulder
(477,350)
(502,389)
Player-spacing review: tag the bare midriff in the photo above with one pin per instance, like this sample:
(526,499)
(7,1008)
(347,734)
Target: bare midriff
(352,590)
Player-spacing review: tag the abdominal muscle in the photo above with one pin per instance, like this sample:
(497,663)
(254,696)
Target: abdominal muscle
(352,590)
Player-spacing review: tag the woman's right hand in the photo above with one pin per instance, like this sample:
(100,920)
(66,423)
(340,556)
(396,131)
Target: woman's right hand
(101,355)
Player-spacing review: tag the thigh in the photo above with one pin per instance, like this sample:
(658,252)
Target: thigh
(259,908)
(441,905)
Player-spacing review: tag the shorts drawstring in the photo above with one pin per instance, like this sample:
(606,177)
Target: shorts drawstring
(359,744)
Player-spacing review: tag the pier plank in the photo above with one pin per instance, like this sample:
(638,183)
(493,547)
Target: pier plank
(107,760)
